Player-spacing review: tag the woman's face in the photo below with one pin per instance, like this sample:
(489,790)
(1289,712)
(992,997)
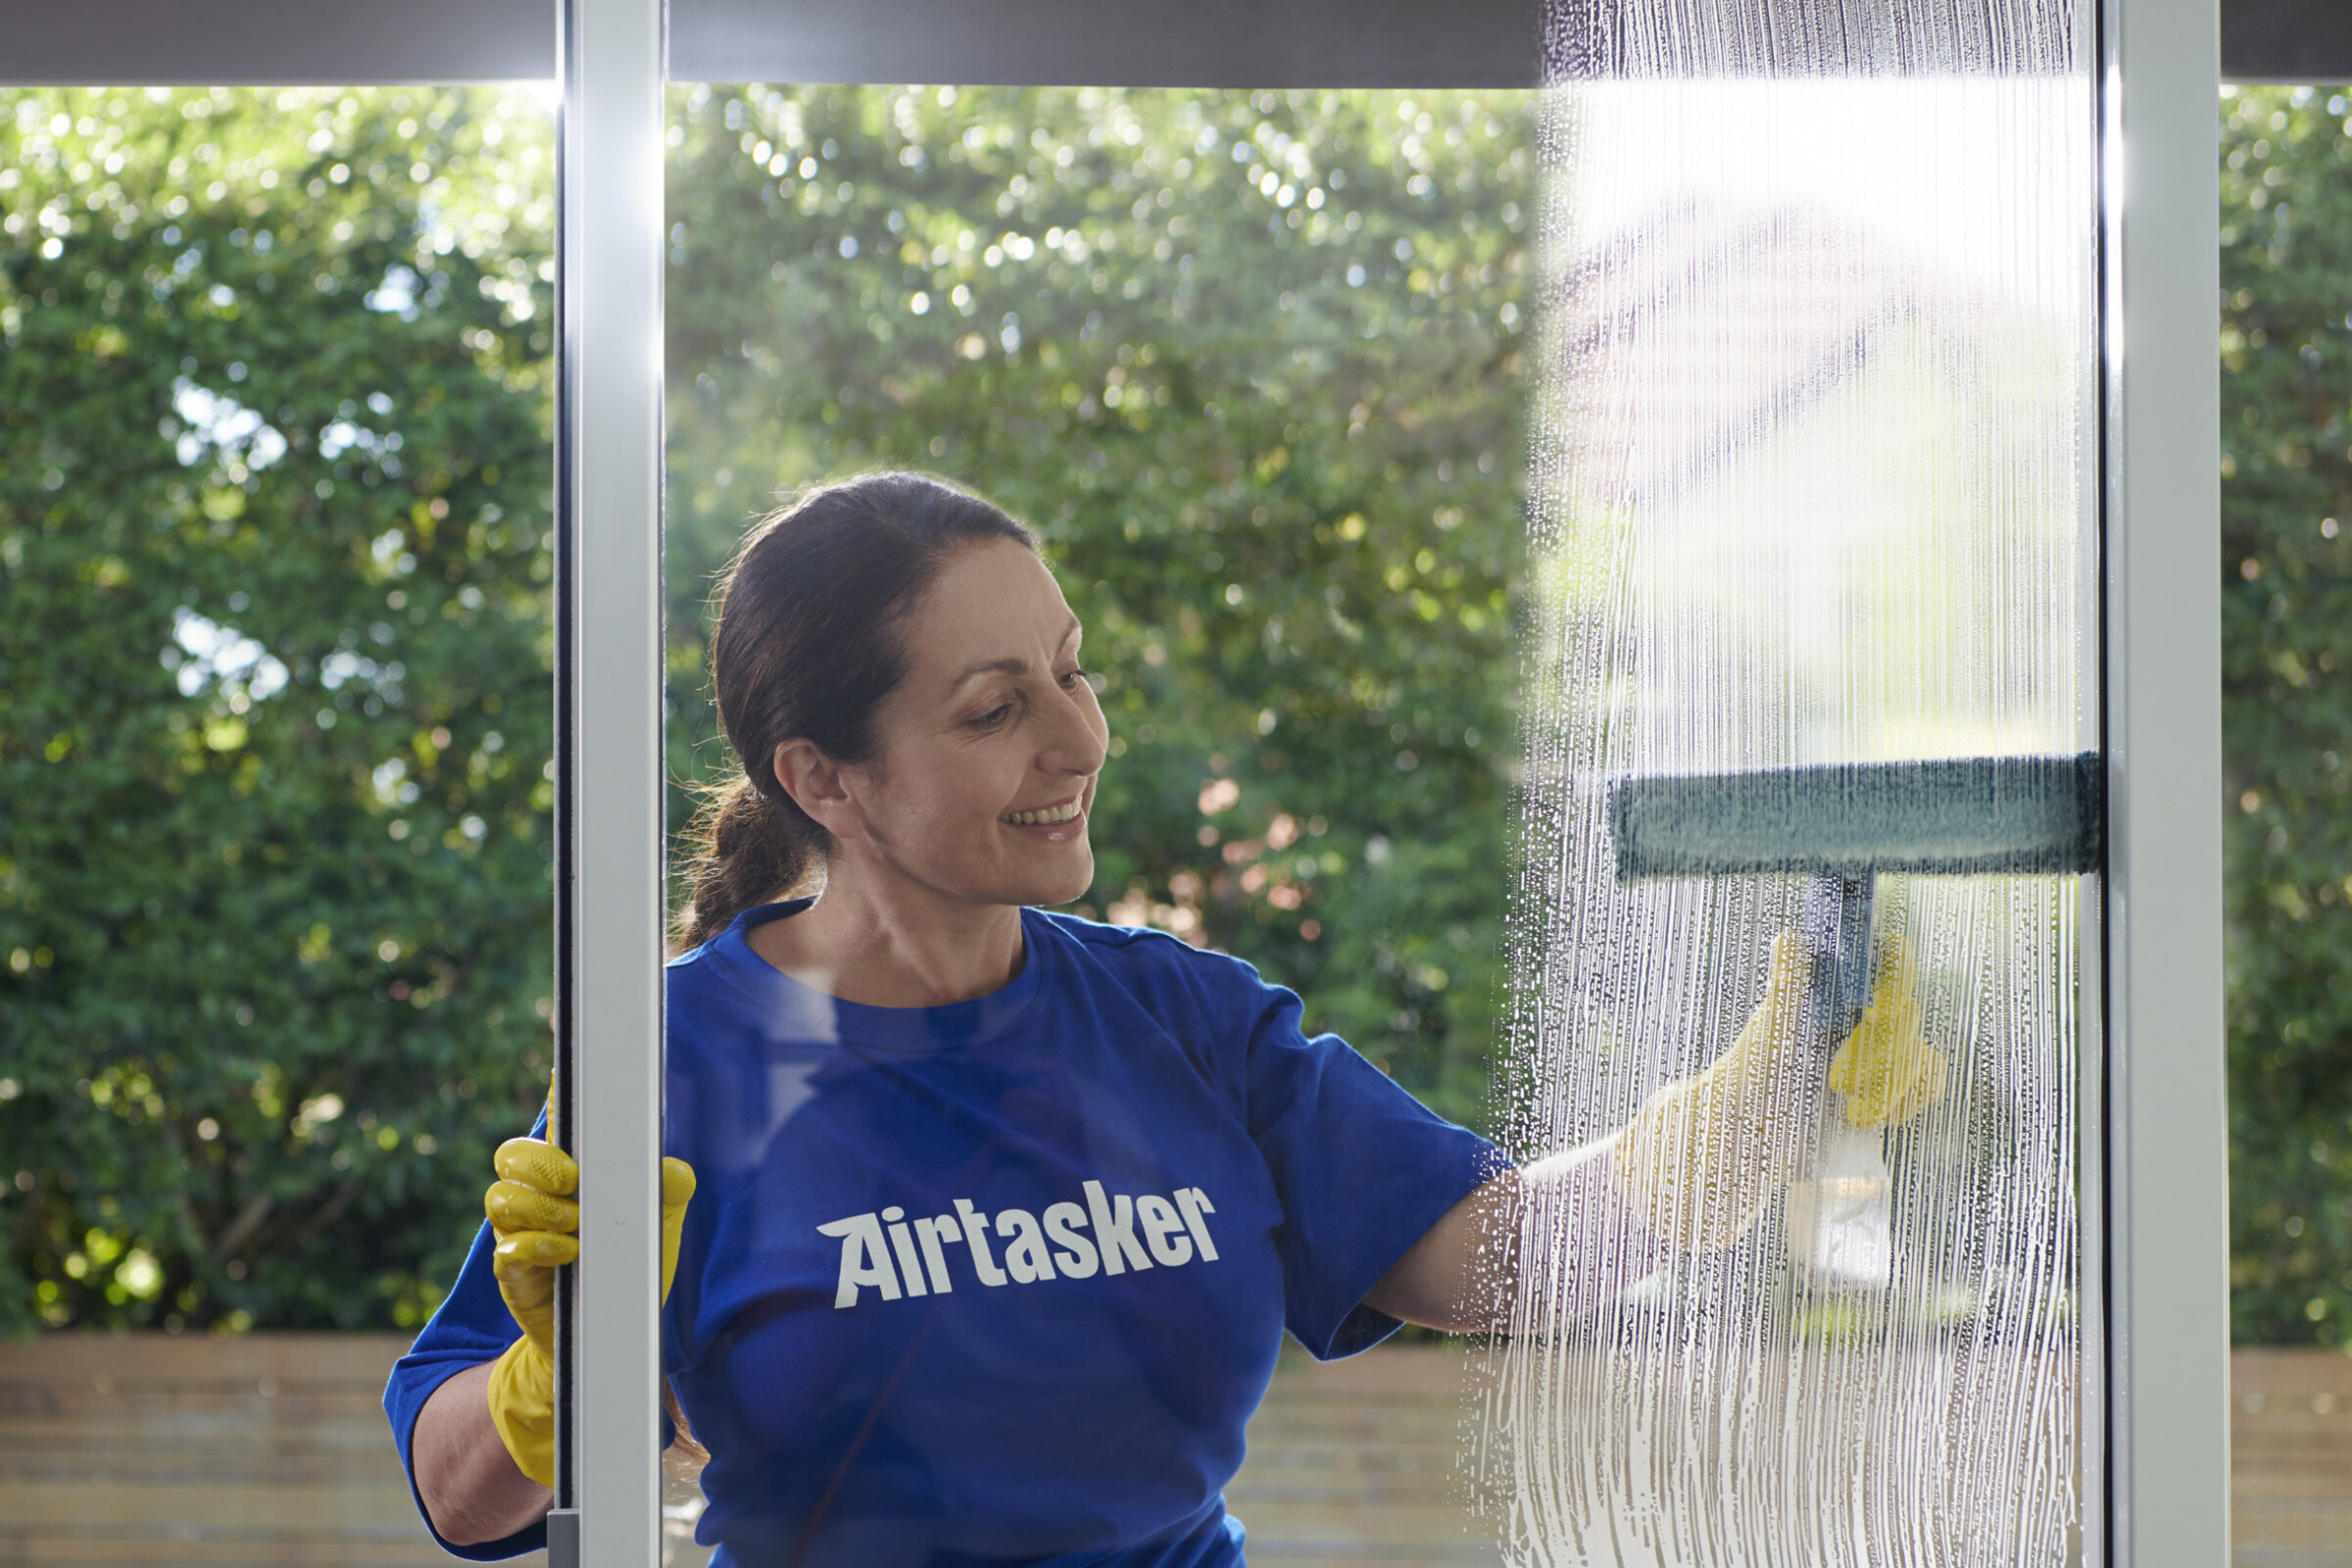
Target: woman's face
(990,747)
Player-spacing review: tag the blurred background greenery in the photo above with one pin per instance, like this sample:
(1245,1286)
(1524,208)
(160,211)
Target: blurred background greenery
(273,648)
(2286,705)
(1250,362)
(274,639)
(273,710)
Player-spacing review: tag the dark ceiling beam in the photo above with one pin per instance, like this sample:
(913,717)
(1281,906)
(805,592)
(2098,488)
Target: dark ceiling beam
(2286,40)
(343,43)
(1196,43)
(1137,43)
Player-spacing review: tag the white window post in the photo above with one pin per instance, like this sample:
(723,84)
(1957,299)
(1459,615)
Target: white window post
(2167,1154)
(609,744)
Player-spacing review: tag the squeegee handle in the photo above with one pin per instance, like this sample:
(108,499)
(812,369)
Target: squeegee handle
(1837,925)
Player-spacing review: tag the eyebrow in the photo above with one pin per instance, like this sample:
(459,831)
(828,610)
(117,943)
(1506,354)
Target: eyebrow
(1009,666)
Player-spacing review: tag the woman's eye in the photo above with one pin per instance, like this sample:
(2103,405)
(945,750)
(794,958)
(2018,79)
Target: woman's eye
(994,717)
(1071,680)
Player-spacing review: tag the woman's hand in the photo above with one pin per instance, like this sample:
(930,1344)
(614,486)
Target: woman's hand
(537,1221)
(1704,1157)
(1698,1165)
(1886,1069)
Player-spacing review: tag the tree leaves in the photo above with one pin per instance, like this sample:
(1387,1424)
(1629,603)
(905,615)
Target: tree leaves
(273,661)
(2286,597)
(1251,364)
(274,591)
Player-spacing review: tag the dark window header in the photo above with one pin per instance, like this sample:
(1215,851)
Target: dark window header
(1197,43)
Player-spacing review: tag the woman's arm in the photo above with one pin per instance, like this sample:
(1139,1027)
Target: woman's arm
(1461,1274)
(469,1482)
(1564,1218)
(1700,1162)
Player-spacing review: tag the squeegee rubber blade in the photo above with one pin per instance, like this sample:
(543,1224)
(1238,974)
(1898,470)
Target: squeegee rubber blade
(1950,816)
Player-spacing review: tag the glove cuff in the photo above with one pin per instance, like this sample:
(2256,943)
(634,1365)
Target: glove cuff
(522,1407)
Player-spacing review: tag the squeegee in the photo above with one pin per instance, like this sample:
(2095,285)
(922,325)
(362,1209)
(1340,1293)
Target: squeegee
(1840,826)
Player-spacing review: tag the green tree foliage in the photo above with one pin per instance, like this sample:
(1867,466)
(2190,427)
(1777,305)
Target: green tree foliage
(274,887)
(274,639)
(2286,598)
(273,907)
(1250,362)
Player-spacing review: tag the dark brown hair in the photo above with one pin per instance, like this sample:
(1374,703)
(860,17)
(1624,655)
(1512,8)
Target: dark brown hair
(810,640)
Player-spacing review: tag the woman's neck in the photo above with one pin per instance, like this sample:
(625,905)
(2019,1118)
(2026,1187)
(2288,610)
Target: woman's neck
(895,952)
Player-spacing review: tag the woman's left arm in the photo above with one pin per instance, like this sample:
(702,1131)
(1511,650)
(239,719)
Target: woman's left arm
(1460,1275)
(1464,1275)
(1699,1163)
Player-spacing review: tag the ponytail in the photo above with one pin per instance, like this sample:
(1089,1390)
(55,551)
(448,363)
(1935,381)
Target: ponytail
(746,852)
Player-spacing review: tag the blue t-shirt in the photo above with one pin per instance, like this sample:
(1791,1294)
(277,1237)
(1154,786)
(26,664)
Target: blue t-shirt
(1002,1282)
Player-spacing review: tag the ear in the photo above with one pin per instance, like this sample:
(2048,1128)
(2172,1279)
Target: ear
(818,785)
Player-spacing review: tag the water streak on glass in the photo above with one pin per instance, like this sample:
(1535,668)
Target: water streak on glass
(1810,471)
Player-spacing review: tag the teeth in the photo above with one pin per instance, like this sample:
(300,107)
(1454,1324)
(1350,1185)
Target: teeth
(1053,813)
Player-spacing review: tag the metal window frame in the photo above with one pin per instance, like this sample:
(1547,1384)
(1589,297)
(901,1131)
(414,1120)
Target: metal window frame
(611,836)
(2166,1286)
(1237,43)
(2156,1285)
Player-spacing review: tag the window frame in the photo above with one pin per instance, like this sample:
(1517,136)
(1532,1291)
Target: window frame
(2155,1275)
(1208,43)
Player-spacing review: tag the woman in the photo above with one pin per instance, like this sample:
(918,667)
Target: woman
(1002,1214)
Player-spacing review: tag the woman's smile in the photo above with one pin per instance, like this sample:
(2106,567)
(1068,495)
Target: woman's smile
(1055,821)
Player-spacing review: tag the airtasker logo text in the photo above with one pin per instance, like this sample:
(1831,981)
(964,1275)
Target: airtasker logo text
(1126,1233)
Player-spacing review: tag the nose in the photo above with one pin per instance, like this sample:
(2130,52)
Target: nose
(1078,739)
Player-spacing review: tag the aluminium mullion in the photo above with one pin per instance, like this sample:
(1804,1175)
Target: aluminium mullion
(2093,1437)
(563,1112)
(2167,1307)
(610,890)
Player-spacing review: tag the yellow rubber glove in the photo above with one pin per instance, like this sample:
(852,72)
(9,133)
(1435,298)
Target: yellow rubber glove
(537,1222)
(1886,1069)
(1704,1157)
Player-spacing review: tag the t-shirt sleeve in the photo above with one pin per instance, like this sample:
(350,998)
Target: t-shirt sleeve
(471,1327)
(1362,1170)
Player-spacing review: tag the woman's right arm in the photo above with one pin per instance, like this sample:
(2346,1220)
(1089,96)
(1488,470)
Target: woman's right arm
(482,1451)
(468,1480)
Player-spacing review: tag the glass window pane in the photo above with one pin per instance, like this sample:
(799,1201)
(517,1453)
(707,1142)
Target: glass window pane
(1814,529)
(1249,366)
(1810,493)
(274,887)
(2285,482)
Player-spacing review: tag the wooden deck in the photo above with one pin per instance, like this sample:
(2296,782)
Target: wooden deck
(271,1449)
(2290,1458)
(1359,1461)
(154,1450)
